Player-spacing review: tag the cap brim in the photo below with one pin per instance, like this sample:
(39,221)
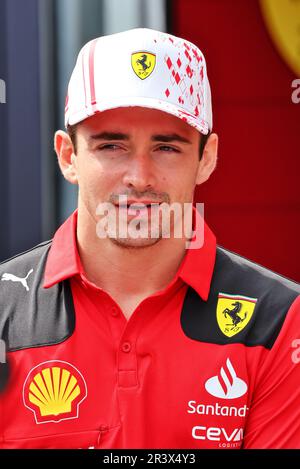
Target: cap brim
(150,103)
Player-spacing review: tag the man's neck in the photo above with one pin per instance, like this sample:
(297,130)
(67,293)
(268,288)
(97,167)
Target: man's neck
(127,272)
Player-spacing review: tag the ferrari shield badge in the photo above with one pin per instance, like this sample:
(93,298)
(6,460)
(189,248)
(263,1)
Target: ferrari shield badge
(234,312)
(143,64)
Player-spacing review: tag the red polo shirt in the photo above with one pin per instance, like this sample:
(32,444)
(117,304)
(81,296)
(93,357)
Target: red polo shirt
(141,383)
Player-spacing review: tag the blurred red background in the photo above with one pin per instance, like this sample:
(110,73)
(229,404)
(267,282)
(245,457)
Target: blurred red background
(252,200)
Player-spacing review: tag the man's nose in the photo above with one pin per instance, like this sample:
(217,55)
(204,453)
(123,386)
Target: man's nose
(139,174)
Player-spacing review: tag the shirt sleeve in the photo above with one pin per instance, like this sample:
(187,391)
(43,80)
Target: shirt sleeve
(274,416)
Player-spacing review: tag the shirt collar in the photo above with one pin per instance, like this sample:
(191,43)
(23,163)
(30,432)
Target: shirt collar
(196,268)
(198,264)
(63,259)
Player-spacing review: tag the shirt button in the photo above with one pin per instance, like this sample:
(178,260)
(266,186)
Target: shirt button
(126,347)
(114,311)
(103,428)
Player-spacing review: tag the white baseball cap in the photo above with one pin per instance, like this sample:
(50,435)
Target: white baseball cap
(141,67)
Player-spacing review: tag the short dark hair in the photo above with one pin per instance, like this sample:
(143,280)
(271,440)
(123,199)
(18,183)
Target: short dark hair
(72,134)
(71,129)
(203,140)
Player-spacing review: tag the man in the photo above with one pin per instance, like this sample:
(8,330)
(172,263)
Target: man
(120,333)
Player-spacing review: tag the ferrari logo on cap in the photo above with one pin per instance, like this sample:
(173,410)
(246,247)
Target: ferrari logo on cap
(53,391)
(143,64)
(234,312)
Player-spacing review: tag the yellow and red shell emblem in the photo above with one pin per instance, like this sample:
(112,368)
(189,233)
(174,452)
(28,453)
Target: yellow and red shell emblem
(53,391)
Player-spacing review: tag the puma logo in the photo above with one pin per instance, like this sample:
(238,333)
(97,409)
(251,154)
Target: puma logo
(14,278)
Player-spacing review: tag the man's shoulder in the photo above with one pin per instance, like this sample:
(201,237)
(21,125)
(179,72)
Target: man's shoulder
(30,255)
(24,302)
(249,304)
(253,276)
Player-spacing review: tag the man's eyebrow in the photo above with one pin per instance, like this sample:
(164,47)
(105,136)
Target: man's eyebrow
(166,138)
(169,138)
(109,136)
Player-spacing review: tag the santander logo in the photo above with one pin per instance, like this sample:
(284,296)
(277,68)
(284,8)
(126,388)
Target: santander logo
(226,385)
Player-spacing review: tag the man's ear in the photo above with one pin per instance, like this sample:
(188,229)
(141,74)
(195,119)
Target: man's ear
(208,161)
(66,156)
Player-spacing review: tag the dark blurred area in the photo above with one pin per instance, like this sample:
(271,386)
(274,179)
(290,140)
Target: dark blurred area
(252,200)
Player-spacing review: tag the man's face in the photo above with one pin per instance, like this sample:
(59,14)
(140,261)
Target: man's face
(148,155)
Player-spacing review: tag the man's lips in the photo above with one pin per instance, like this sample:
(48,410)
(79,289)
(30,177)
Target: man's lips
(138,203)
(134,207)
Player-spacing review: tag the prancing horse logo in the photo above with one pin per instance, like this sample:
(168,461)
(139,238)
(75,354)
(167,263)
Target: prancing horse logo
(234,315)
(14,278)
(234,312)
(143,63)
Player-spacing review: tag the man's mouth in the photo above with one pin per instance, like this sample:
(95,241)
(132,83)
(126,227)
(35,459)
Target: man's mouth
(135,208)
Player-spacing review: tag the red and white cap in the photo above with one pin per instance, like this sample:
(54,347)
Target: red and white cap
(141,67)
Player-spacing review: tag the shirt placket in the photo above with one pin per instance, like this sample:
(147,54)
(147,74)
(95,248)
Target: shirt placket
(125,337)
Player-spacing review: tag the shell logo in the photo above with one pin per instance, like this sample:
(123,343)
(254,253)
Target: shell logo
(53,391)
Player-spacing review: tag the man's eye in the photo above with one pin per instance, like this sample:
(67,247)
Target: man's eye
(109,146)
(168,149)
